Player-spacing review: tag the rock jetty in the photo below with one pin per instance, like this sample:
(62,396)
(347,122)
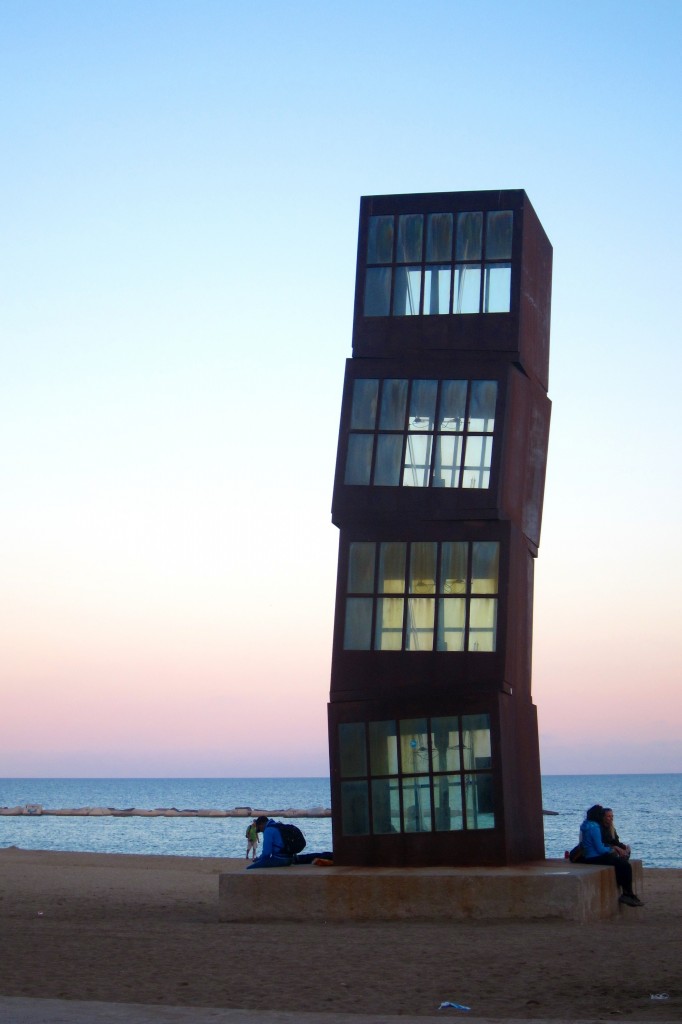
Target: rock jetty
(167,812)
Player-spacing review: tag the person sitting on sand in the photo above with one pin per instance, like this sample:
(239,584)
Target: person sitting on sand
(272,855)
(609,836)
(252,840)
(596,852)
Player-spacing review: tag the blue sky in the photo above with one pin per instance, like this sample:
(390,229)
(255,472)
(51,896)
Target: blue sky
(180,187)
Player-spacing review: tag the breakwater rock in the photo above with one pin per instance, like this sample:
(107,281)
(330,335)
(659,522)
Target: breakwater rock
(36,810)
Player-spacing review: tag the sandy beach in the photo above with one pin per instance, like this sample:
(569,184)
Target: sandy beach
(129,929)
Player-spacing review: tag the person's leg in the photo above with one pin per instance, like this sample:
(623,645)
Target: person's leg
(273,861)
(623,870)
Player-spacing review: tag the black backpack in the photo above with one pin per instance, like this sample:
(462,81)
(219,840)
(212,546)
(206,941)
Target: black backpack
(293,840)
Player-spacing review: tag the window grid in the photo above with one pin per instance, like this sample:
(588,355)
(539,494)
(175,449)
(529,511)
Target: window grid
(416,775)
(397,439)
(438,264)
(422,596)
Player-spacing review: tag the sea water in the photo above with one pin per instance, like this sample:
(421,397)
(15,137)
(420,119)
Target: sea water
(648,813)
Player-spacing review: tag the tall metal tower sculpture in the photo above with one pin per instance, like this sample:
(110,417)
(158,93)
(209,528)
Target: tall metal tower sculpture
(438,498)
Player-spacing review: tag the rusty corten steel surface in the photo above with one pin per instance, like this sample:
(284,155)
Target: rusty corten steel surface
(511,348)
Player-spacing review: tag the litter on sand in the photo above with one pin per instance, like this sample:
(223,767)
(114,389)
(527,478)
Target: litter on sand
(453,1006)
(659,995)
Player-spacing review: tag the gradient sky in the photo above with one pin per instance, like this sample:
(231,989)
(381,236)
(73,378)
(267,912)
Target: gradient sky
(180,190)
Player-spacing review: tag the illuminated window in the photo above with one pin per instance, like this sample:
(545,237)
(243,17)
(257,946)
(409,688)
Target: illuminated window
(422,596)
(421,433)
(439,263)
(416,775)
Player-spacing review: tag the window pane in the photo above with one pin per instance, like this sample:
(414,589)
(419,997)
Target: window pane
(408,289)
(445,744)
(410,235)
(498,241)
(437,290)
(354,809)
(447,801)
(389,457)
(352,750)
(392,568)
(476,472)
(422,405)
(479,801)
(476,739)
(361,567)
(364,409)
(389,628)
(414,749)
(497,298)
(469,233)
(467,298)
(453,567)
(417,804)
(377,291)
(453,398)
(482,406)
(451,620)
(383,748)
(482,623)
(439,237)
(357,634)
(423,567)
(380,240)
(385,806)
(393,405)
(359,459)
(448,460)
(420,612)
(417,468)
(485,566)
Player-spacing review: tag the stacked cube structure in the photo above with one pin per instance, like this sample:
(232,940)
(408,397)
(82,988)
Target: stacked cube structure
(438,495)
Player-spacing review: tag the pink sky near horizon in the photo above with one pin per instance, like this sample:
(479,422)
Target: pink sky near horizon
(179,280)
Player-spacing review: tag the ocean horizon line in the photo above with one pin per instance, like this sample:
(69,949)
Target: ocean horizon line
(171,778)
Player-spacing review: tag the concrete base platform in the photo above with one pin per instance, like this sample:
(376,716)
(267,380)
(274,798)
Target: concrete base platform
(539,890)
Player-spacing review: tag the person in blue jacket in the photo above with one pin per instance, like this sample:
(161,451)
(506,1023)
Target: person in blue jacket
(272,854)
(596,852)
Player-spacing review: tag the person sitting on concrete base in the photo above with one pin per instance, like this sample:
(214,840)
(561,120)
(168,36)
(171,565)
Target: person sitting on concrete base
(596,852)
(272,854)
(609,836)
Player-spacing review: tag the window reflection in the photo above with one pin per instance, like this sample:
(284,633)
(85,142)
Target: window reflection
(407,293)
(410,238)
(417,278)
(422,596)
(424,775)
(438,237)
(364,409)
(437,290)
(380,239)
(378,291)
(421,433)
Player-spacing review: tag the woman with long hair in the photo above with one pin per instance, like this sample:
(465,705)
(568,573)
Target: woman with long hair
(596,852)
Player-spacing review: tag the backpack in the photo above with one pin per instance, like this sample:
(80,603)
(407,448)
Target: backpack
(293,840)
